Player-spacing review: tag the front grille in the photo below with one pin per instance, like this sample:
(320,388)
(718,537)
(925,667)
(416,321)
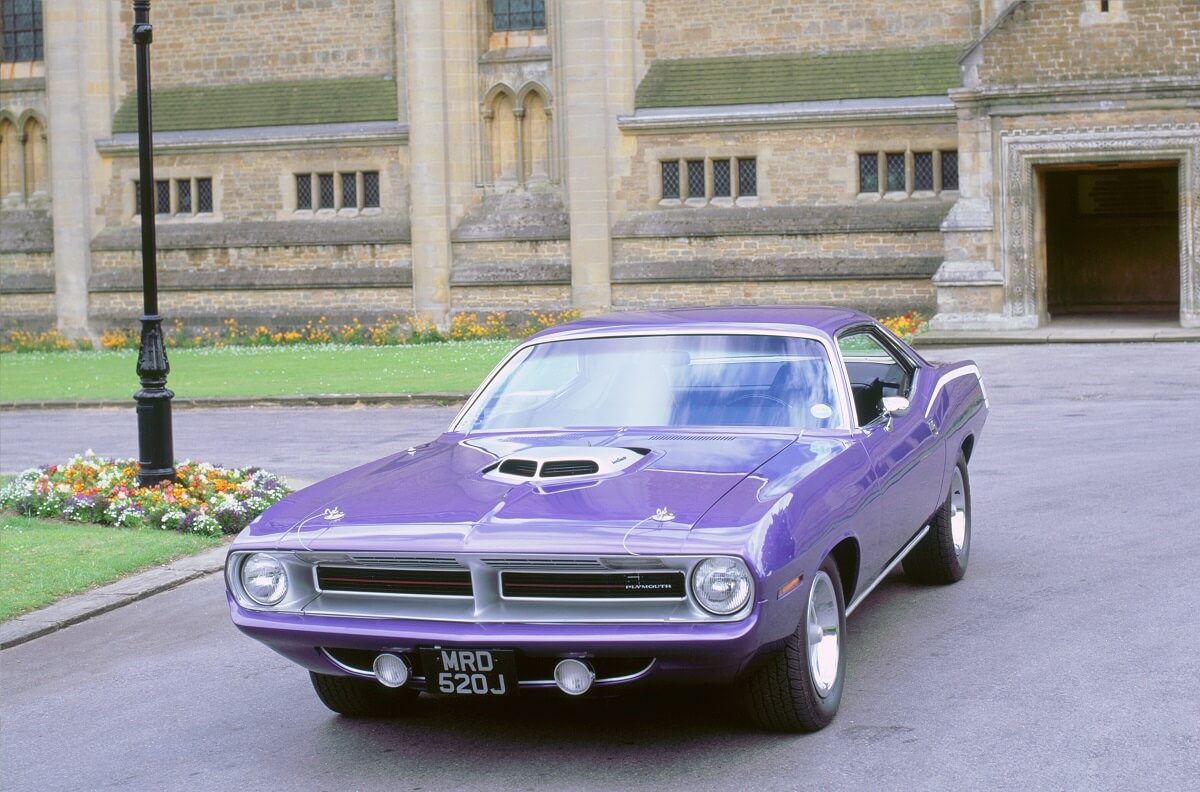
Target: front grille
(422,582)
(526,468)
(557,585)
(691,437)
(580,467)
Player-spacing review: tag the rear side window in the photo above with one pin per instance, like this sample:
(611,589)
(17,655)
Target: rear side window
(874,371)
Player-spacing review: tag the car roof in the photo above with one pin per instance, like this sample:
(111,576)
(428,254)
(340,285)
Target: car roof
(817,319)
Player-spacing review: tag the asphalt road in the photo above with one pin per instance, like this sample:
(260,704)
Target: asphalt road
(1068,659)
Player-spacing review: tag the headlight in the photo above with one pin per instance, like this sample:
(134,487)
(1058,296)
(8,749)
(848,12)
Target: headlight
(721,585)
(264,579)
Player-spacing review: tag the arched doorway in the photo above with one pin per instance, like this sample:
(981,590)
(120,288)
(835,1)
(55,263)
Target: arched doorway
(1112,238)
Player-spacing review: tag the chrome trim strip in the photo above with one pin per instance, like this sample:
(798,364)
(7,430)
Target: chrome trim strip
(879,579)
(358,672)
(422,682)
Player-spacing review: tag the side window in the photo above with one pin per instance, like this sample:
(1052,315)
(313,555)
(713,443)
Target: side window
(874,372)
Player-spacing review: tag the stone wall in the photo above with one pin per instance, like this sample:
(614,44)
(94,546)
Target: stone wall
(881,298)
(702,28)
(1046,42)
(795,166)
(27,289)
(280,286)
(517,300)
(198,42)
(260,185)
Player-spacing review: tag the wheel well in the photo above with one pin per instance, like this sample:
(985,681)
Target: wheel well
(968,446)
(845,555)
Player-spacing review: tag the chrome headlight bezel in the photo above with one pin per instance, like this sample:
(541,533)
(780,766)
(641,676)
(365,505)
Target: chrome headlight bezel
(259,565)
(731,572)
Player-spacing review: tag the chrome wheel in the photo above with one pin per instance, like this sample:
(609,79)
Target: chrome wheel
(960,519)
(824,635)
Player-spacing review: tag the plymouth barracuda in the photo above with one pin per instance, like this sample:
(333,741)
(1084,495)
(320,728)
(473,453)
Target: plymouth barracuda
(690,496)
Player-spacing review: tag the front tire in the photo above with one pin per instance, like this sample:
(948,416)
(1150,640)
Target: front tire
(941,556)
(799,688)
(360,698)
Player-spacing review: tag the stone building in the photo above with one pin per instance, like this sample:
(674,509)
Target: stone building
(994,163)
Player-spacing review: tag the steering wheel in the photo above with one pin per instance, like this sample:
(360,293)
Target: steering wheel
(775,418)
(763,396)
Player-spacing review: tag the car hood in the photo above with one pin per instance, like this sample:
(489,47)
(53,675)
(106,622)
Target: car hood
(440,497)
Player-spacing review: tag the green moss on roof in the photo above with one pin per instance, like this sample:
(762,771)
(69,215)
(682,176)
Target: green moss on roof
(264,104)
(768,79)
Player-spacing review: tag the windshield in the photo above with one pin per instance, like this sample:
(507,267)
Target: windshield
(670,380)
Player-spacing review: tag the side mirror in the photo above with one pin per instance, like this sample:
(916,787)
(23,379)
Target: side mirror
(895,405)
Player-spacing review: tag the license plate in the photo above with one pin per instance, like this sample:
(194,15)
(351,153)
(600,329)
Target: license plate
(470,672)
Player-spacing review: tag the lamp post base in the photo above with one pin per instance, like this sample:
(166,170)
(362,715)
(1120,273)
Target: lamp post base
(156,444)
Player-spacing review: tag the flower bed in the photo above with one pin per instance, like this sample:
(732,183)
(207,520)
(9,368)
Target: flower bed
(202,499)
(383,331)
(907,326)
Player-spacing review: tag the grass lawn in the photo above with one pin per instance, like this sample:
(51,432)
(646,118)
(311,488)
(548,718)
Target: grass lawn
(42,560)
(255,371)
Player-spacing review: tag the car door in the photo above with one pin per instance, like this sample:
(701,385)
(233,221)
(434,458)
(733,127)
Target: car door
(905,452)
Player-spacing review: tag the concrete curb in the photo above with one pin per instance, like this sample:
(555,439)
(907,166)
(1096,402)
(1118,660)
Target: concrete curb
(81,607)
(332,400)
(935,338)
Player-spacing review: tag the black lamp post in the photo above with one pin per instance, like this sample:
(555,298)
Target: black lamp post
(156,452)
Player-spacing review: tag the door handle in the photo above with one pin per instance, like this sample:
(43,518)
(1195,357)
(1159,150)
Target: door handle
(933,427)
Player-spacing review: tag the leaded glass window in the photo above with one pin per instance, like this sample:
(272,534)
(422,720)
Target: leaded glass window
(162,197)
(183,196)
(371,189)
(895,173)
(747,177)
(325,187)
(923,170)
(670,179)
(722,179)
(695,176)
(518,15)
(21,23)
(304,191)
(204,195)
(350,190)
(949,170)
(868,173)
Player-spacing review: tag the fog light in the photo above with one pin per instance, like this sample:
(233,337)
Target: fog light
(391,670)
(573,677)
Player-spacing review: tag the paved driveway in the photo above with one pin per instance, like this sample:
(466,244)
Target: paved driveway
(1068,658)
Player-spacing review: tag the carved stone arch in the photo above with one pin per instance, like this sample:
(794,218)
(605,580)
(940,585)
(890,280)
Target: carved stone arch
(535,133)
(36,153)
(502,134)
(11,160)
(489,98)
(534,86)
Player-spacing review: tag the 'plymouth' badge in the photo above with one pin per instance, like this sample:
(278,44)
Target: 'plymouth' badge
(333,514)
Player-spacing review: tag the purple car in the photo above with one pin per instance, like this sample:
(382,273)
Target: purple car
(691,496)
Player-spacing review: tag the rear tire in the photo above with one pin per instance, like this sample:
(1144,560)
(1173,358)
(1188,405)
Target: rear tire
(360,698)
(799,688)
(941,556)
